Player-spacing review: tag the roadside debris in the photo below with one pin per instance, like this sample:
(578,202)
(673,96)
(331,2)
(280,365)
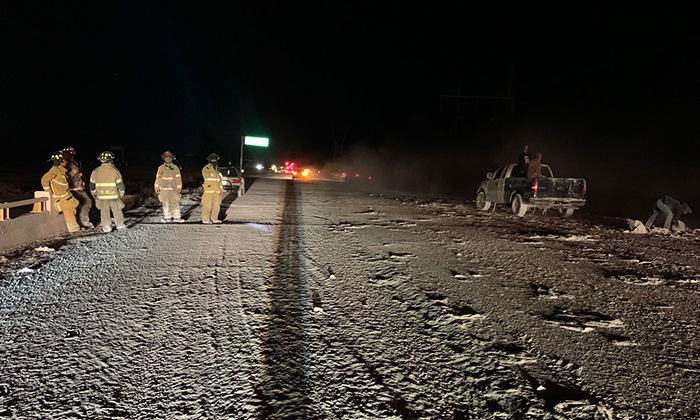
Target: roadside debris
(682,227)
(637,226)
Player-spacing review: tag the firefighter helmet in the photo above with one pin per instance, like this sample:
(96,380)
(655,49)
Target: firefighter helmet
(167,153)
(69,153)
(212,156)
(106,156)
(57,157)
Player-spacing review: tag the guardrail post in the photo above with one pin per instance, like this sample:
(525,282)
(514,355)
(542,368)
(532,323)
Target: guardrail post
(4,214)
(44,205)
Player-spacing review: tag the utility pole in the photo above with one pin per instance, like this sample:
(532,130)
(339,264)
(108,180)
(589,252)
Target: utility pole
(241,162)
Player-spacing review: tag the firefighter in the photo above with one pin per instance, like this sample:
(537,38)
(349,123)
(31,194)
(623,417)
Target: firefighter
(213,190)
(77,187)
(168,186)
(55,181)
(107,186)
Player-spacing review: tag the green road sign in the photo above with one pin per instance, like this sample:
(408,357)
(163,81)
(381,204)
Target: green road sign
(257,141)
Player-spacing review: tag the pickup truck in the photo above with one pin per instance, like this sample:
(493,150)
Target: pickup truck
(507,186)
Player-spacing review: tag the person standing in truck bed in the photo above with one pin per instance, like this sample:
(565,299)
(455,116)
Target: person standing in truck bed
(523,160)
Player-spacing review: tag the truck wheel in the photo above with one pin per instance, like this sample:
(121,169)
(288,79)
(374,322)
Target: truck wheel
(519,208)
(481,203)
(568,212)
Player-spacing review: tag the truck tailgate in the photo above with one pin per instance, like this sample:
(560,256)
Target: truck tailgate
(560,188)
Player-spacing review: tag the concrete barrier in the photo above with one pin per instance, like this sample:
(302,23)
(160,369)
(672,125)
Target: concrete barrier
(30,227)
(43,224)
(38,225)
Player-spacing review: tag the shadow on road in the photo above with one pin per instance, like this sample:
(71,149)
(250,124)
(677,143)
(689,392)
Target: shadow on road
(249,182)
(226,203)
(283,391)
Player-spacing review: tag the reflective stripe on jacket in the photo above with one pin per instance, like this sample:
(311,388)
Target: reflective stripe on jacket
(212,180)
(55,181)
(168,178)
(106,182)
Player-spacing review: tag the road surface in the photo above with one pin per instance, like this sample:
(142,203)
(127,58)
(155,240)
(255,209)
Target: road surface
(317,300)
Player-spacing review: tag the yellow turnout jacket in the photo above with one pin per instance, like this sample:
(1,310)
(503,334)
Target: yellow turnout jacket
(55,181)
(212,180)
(106,182)
(168,178)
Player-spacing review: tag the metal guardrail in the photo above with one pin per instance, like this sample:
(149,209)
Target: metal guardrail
(40,203)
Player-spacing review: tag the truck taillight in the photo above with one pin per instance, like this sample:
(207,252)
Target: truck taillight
(534,188)
(236,181)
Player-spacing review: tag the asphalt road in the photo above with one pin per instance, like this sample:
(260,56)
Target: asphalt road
(318,300)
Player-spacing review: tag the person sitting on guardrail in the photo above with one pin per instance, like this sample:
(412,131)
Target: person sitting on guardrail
(213,190)
(107,186)
(77,187)
(672,209)
(168,186)
(55,181)
(534,168)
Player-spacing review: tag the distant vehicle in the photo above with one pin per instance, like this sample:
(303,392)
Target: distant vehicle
(232,179)
(307,174)
(289,168)
(523,194)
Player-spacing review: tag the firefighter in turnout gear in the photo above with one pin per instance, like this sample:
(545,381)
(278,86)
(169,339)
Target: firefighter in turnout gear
(77,187)
(107,186)
(213,190)
(55,181)
(168,186)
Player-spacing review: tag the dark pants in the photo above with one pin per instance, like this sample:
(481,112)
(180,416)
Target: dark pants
(84,206)
(660,207)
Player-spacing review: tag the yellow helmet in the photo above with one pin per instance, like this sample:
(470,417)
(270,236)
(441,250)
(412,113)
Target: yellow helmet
(167,153)
(57,157)
(106,156)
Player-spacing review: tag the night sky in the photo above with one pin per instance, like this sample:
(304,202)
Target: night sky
(610,94)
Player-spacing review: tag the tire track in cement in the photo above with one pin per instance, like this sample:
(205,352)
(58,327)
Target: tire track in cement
(284,388)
